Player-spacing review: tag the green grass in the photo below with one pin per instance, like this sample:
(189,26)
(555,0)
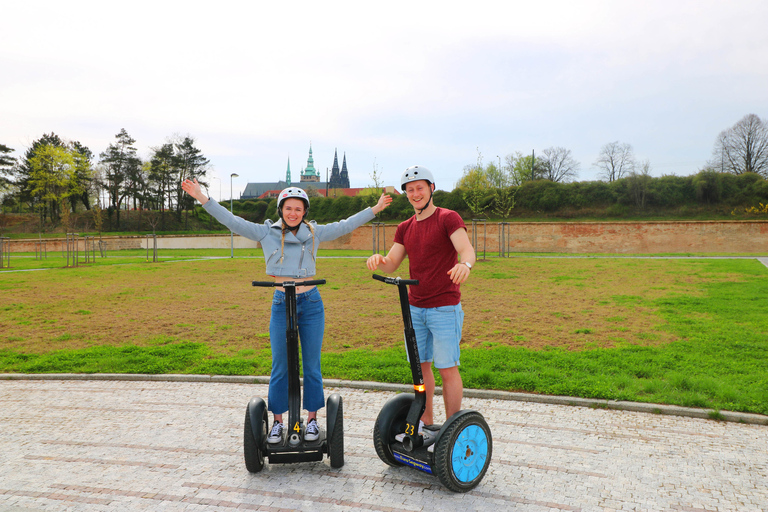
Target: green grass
(717,359)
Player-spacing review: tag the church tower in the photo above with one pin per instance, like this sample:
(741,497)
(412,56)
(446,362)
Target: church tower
(310,174)
(288,173)
(335,181)
(344,174)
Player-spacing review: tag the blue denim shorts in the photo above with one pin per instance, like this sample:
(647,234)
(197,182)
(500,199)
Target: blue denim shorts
(438,333)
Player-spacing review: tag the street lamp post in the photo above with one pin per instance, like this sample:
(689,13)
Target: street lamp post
(231,209)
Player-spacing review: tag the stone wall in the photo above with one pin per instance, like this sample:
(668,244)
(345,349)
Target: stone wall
(560,237)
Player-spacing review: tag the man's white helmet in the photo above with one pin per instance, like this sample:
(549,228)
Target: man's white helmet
(415,173)
(292,193)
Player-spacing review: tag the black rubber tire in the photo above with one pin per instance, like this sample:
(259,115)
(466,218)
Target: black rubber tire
(478,456)
(336,439)
(392,417)
(252,452)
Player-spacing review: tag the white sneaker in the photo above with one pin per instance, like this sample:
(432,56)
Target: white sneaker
(312,432)
(276,436)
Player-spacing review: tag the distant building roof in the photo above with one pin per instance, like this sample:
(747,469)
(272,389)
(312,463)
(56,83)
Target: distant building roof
(333,192)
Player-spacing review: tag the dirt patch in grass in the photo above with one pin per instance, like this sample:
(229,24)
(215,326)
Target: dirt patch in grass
(527,302)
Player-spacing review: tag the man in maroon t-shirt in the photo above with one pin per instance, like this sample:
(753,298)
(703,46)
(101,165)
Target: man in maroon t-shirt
(433,239)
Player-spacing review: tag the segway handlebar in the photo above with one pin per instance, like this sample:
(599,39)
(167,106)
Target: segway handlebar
(288,283)
(395,280)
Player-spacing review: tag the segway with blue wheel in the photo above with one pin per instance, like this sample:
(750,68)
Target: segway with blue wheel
(293,447)
(458,452)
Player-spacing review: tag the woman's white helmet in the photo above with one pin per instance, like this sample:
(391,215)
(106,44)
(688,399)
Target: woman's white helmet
(292,193)
(416,173)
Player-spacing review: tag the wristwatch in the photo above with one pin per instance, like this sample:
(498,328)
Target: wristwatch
(469,266)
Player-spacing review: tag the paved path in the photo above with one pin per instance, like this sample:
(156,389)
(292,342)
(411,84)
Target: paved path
(176,446)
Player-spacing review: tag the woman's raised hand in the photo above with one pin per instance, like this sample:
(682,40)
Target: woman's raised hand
(193,188)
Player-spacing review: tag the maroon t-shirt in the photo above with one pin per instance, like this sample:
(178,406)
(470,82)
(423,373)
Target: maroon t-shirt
(430,256)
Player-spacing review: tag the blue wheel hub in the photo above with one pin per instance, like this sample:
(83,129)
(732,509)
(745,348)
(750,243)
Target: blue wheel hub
(470,451)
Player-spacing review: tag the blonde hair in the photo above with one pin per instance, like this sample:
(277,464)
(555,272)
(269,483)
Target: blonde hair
(286,229)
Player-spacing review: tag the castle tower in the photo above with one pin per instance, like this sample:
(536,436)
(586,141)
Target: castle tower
(310,173)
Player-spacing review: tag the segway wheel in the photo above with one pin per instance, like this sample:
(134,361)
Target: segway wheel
(336,437)
(463,452)
(389,423)
(252,451)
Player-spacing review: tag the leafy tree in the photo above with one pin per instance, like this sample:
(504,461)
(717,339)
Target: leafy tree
(24,167)
(52,179)
(743,148)
(475,186)
(161,174)
(523,168)
(6,166)
(708,185)
(121,165)
(83,180)
(189,164)
(615,161)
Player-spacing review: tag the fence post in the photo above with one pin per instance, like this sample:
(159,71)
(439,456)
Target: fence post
(474,235)
(73,251)
(379,240)
(504,239)
(154,247)
(5,252)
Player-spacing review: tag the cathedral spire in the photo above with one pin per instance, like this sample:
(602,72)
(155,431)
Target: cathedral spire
(344,174)
(335,167)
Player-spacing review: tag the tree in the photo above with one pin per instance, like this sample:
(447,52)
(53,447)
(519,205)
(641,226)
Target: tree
(24,168)
(6,165)
(189,164)
(615,160)
(83,179)
(524,168)
(558,165)
(743,148)
(638,184)
(121,167)
(52,179)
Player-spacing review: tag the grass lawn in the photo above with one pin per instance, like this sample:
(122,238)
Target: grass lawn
(690,332)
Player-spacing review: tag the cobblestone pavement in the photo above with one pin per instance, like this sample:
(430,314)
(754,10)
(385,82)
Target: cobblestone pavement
(177,446)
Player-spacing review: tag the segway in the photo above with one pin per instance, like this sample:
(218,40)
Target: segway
(293,447)
(457,452)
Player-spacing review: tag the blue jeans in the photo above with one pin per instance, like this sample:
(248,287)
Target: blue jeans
(438,334)
(311,323)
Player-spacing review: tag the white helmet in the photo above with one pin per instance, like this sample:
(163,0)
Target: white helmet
(416,173)
(292,193)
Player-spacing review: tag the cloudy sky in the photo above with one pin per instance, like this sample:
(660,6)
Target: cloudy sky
(392,84)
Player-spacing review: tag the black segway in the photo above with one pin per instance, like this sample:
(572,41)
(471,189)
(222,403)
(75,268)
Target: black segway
(293,448)
(457,452)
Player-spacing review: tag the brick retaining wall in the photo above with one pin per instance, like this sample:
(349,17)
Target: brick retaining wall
(560,237)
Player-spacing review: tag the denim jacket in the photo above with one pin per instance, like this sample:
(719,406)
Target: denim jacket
(299,258)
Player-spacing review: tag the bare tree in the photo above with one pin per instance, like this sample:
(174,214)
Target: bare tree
(615,160)
(743,148)
(558,165)
(638,184)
